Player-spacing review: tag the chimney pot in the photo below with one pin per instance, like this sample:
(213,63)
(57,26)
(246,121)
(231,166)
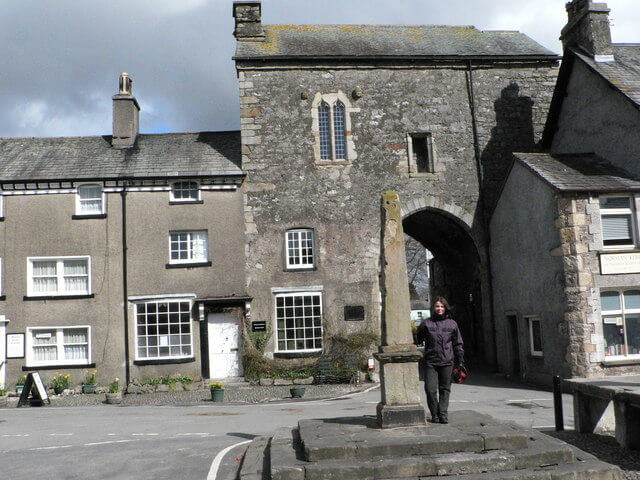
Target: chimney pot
(126,115)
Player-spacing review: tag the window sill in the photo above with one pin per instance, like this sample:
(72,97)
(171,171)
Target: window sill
(316,353)
(164,361)
(57,366)
(621,362)
(536,356)
(305,269)
(28,298)
(87,216)
(187,202)
(332,163)
(188,265)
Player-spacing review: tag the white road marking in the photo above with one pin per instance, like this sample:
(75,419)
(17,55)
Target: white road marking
(144,434)
(195,434)
(17,435)
(107,442)
(51,448)
(60,434)
(213,471)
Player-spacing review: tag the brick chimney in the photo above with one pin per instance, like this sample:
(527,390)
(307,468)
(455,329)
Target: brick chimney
(126,115)
(248,16)
(588,29)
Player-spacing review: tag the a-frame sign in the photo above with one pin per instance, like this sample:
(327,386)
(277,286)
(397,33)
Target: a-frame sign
(33,385)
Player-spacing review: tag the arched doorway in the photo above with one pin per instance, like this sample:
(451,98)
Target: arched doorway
(456,272)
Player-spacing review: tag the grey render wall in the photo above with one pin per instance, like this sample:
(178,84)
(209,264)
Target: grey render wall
(41,225)
(285,188)
(528,279)
(150,219)
(596,118)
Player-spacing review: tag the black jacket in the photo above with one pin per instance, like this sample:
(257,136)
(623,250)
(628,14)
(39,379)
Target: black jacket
(442,341)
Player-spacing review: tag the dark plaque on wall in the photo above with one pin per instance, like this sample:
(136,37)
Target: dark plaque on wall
(258,326)
(353,312)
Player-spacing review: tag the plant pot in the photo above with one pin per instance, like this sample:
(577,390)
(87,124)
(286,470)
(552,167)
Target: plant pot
(89,388)
(297,392)
(59,389)
(19,389)
(217,395)
(3,401)
(114,398)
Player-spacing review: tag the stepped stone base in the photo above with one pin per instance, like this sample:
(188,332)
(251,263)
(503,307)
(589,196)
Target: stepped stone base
(472,446)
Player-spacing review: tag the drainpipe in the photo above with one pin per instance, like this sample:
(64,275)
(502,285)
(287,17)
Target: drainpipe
(125,291)
(481,207)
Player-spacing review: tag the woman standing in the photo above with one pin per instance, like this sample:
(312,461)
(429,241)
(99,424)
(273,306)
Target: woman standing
(443,346)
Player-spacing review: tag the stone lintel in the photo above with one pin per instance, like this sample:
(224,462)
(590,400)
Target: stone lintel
(390,416)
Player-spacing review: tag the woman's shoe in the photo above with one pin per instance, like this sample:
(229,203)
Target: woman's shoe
(444,419)
(434,420)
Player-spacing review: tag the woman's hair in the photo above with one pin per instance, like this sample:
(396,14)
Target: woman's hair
(444,302)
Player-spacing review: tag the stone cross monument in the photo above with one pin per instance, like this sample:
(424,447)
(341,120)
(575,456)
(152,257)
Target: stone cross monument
(398,356)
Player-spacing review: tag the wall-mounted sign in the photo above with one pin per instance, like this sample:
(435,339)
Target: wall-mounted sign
(612,263)
(354,313)
(15,345)
(258,326)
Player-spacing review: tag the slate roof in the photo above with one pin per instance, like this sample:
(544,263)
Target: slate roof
(623,73)
(584,172)
(157,155)
(366,41)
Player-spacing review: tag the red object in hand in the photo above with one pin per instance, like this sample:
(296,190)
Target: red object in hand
(460,374)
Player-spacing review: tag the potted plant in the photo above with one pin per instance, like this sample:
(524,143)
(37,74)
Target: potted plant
(20,384)
(217,391)
(297,392)
(89,385)
(114,395)
(3,396)
(60,382)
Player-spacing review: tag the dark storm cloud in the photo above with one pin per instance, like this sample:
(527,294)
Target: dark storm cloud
(61,59)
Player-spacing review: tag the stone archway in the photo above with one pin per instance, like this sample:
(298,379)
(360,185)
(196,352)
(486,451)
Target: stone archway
(457,271)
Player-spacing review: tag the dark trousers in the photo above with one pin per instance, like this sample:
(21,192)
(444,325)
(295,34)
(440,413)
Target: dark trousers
(438,380)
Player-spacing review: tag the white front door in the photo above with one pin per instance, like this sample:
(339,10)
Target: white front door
(3,352)
(224,346)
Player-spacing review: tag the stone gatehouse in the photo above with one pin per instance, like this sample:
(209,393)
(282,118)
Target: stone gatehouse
(331,116)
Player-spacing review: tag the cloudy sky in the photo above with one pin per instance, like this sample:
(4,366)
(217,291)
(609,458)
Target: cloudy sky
(61,59)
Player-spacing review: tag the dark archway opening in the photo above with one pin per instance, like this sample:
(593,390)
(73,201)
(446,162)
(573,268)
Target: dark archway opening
(455,271)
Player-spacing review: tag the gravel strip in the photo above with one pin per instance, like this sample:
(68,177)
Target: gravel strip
(233,394)
(605,448)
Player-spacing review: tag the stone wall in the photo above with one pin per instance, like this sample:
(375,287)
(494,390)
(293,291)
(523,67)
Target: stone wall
(286,188)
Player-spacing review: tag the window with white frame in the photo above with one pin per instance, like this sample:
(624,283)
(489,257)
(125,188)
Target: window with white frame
(299,321)
(163,329)
(58,276)
(621,322)
(618,225)
(185,191)
(90,199)
(300,248)
(58,345)
(535,336)
(188,247)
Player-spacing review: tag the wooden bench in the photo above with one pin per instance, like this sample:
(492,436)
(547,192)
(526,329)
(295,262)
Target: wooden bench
(591,397)
(340,368)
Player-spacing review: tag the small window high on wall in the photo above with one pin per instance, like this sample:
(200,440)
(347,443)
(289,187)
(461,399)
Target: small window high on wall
(618,225)
(332,128)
